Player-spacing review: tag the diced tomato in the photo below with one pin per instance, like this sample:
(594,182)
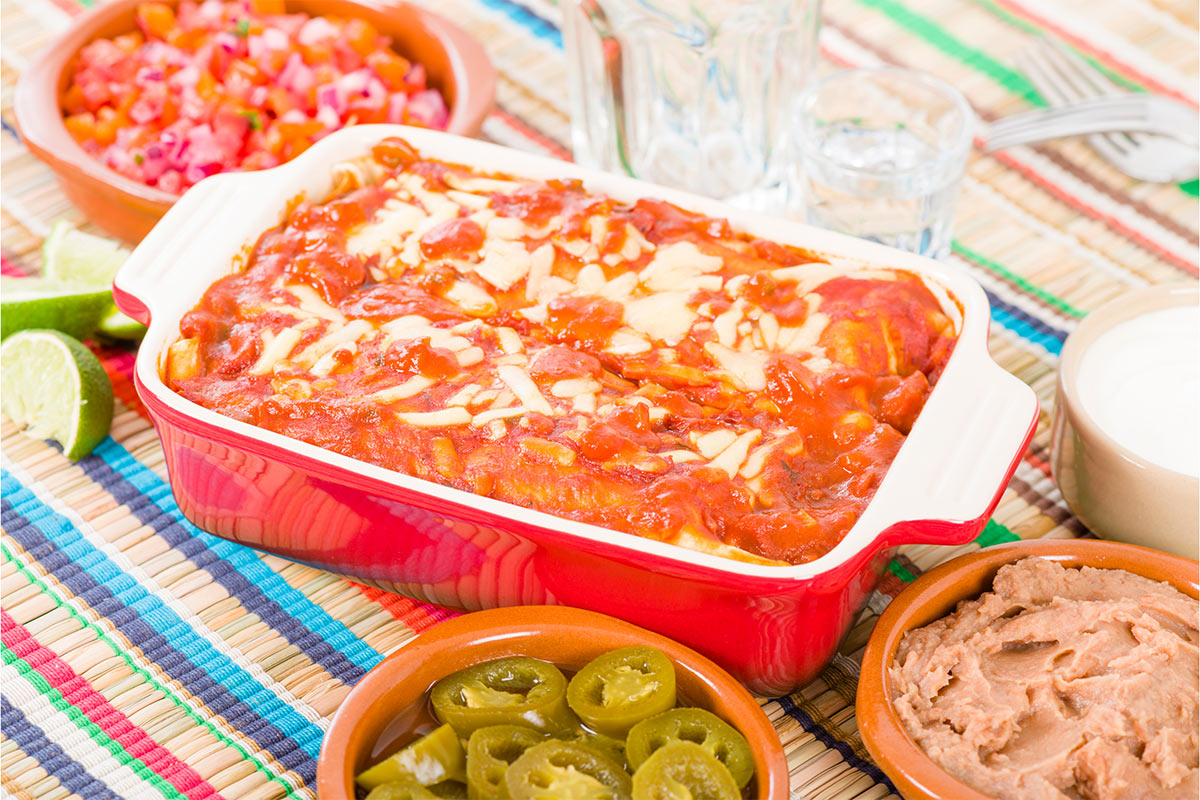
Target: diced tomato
(390,68)
(73,101)
(128,42)
(361,36)
(192,92)
(81,126)
(155,19)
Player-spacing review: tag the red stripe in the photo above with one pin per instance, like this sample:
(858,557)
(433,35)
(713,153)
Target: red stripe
(79,693)
(118,365)
(416,615)
(1092,211)
(525,129)
(1040,464)
(1107,58)
(10,269)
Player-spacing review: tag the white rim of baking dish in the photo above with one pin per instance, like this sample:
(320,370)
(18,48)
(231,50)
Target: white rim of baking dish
(951,467)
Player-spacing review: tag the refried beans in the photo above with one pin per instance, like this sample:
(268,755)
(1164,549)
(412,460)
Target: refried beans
(1059,683)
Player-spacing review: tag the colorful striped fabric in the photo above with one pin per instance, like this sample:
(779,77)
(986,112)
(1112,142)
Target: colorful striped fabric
(143,658)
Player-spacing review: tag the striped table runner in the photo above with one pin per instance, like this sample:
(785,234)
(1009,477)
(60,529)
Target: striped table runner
(143,658)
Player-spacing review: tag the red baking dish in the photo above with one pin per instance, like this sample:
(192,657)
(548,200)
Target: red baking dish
(773,627)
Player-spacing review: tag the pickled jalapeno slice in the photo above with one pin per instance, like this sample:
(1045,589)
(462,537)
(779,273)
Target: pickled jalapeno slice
(619,689)
(694,725)
(506,691)
(566,771)
(449,790)
(684,771)
(490,752)
(402,789)
(433,758)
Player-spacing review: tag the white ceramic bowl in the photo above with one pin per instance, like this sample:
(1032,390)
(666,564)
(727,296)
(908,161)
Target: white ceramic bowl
(1116,492)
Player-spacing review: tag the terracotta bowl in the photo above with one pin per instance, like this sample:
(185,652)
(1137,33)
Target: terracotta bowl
(366,725)
(1117,493)
(936,594)
(455,63)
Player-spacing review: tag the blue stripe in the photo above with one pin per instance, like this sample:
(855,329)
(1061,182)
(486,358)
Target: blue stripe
(237,568)
(824,737)
(50,757)
(1026,326)
(538,26)
(157,631)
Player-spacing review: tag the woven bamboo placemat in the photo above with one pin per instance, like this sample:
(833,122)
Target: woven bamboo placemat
(144,658)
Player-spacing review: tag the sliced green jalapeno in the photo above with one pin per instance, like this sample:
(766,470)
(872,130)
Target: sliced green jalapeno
(490,752)
(684,771)
(613,748)
(449,790)
(403,789)
(506,691)
(619,689)
(561,770)
(695,725)
(433,758)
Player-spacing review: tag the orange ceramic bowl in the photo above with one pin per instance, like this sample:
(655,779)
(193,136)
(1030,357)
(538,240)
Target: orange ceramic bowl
(455,64)
(377,714)
(936,594)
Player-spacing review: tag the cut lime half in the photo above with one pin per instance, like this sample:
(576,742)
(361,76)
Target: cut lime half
(72,256)
(44,303)
(57,389)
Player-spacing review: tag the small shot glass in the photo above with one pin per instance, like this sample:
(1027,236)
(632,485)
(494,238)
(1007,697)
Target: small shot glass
(883,150)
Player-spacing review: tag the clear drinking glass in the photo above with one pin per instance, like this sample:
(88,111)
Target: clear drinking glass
(691,93)
(883,151)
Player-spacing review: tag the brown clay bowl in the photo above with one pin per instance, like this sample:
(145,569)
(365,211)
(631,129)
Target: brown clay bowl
(365,728)
(455,63)
(936,594)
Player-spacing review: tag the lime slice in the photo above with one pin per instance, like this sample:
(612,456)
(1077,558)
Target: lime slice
(72,256)
(119,326)
(56,388)
(43,303)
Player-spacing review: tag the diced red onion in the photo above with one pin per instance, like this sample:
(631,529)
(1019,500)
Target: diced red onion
(315,31)
(427,108)
(396,104)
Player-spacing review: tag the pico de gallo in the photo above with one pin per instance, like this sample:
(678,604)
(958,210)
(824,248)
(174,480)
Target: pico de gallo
(221,86)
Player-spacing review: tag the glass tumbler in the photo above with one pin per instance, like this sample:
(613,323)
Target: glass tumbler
(693,94)
(883,151)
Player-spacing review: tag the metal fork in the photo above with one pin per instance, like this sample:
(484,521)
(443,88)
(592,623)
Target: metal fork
(1063,77)
(1145,113)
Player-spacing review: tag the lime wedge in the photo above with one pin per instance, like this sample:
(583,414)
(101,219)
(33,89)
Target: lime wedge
(44,303)
(72,256)
(56,388)
(119,326)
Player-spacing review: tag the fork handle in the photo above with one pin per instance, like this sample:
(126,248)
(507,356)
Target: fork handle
(1033,132)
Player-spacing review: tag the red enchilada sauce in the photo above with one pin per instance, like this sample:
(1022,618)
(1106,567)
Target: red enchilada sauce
(634,366)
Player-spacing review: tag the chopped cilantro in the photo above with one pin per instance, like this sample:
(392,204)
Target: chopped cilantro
(255,122)
(138,158)
(242,28)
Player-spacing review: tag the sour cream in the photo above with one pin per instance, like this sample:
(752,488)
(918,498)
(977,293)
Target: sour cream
(1140,382)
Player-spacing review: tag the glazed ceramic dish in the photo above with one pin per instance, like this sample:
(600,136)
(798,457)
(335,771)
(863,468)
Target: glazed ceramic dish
(774,627)
(455,63)
(1115,491)
(936,594)
(365,727)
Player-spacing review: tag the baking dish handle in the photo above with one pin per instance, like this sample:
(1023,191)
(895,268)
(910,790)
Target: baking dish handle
(141,285)
(949,475)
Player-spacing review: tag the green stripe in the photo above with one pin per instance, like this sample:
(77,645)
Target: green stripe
(94,731)
(1015,82)
(900,572)
(940,38)
(995,533)
(1028,27)
(1007,274)
(291,791)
